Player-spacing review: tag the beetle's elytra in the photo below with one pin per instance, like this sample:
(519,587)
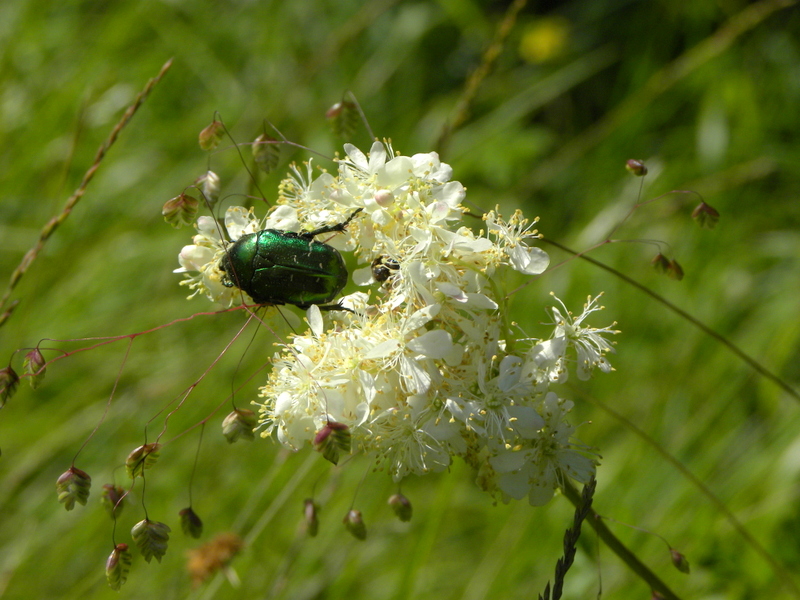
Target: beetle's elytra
(283,267)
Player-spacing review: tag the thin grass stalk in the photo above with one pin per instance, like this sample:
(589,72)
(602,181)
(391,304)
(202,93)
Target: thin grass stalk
(661,81)
(618,548)
(478,76)
(51,226)
(571,536)
(758,367)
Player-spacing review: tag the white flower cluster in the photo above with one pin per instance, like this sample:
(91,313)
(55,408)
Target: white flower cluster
(428,369)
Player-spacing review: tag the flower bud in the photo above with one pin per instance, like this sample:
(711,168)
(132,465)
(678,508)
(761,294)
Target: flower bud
(401,507)
(112,498)
(674,270)
(679,560)
(34,365)
(310,514)
(118,566)
(332,439)
(180,210)
(355,525)
(383,198)
(210,137)
(705,215)
(636,167)
(191,523)
(239,423)
(151,537)
(660,263)
(140,459)
(73,486)
(210,186)
(334,111)
(9,382)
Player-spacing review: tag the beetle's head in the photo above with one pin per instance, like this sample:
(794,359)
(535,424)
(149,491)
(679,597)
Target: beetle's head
(228,276)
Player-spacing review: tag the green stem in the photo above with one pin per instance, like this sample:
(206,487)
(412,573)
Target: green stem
(478,76)
(777,568)
(760,369)
(51,226)
(617,547)
(658,83)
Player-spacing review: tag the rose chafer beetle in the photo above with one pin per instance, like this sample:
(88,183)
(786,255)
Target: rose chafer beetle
(283,267)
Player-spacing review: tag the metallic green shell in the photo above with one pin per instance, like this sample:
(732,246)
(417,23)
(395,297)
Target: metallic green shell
(281,267)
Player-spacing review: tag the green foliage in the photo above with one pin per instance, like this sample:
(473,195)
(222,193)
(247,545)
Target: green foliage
(706,94)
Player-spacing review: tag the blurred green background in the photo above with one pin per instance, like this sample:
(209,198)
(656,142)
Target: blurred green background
(707,93)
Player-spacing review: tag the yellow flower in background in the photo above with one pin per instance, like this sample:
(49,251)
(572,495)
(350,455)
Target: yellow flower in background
(544,39)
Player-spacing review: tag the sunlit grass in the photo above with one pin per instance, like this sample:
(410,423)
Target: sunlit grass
(107,271)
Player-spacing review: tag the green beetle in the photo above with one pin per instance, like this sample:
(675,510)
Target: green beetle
(283,267)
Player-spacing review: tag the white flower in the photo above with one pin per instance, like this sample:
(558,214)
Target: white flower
(497,408)
(200,260)
(536,467)
(589,343)
(525,259)
(414,446)
(422,370)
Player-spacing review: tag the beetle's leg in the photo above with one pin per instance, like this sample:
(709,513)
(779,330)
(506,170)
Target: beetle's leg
(330,228)
(225,278)
(337,306)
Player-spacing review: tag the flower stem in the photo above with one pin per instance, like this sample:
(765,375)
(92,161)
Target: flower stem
(616,546)
(50,227)
(758,367)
